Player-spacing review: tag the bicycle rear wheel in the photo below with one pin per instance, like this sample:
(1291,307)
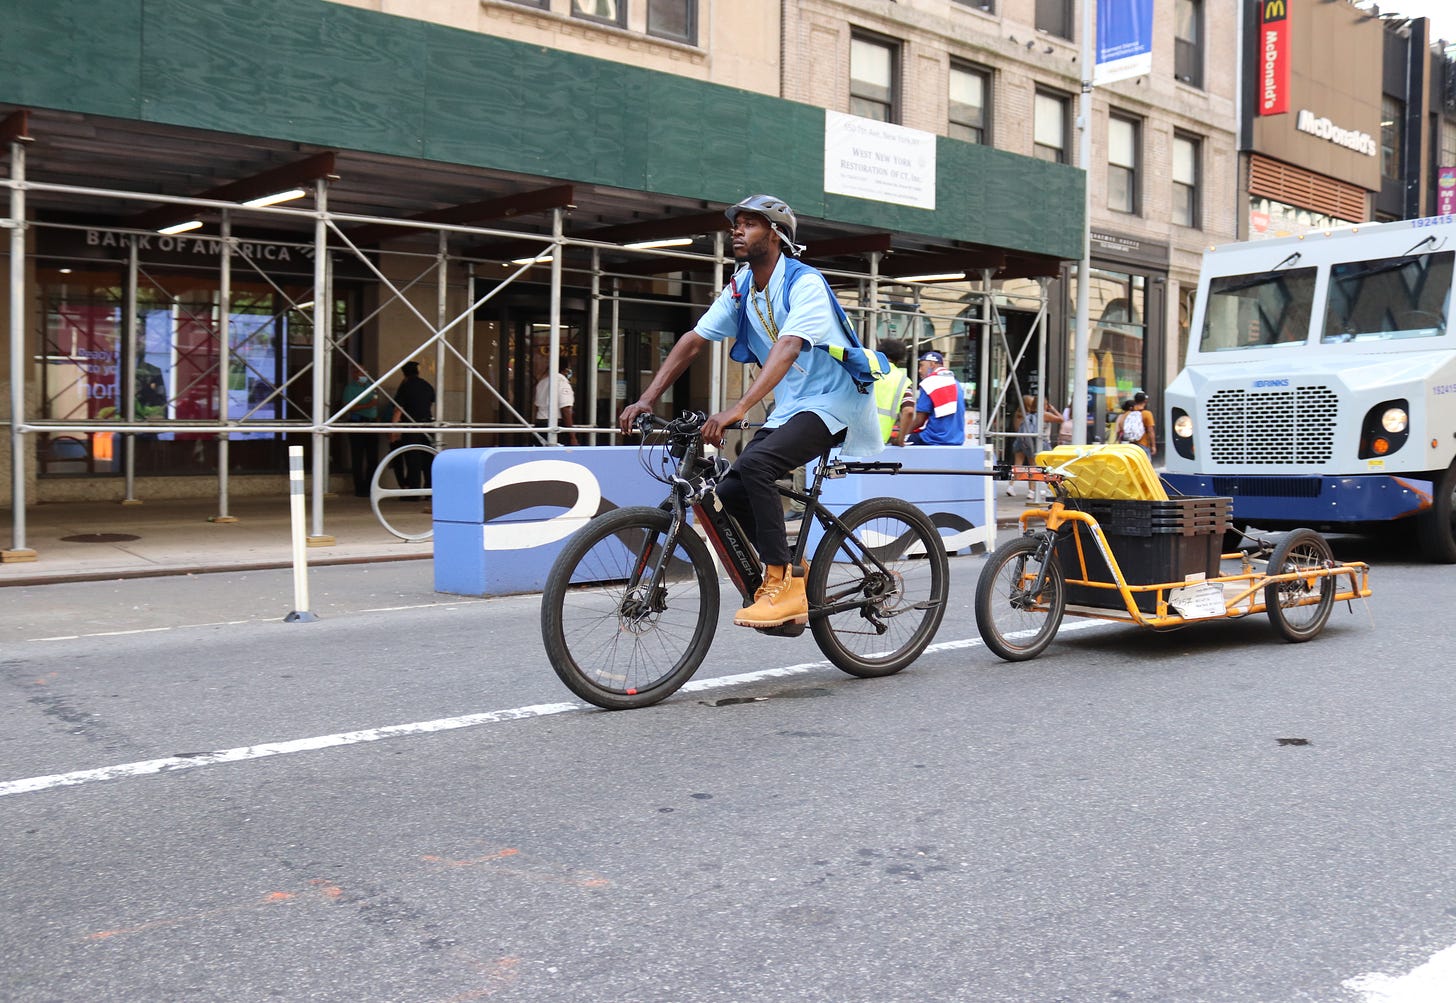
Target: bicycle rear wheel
(886,616)
(614,643)
(1015,622)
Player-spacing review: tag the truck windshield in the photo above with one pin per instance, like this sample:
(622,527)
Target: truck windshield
(1258,311)
(1389,298)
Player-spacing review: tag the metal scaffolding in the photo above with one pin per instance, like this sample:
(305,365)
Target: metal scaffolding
(696,278)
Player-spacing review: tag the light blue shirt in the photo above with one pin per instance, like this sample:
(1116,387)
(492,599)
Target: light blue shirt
(815,382)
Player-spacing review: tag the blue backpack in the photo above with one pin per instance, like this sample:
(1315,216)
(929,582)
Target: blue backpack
(863,365)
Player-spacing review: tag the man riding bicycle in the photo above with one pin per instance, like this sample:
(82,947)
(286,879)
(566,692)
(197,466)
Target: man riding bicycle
(780,310)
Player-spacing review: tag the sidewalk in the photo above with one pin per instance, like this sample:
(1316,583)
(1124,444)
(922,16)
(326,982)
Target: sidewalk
(95,541)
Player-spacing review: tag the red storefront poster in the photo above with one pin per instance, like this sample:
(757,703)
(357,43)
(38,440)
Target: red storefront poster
(1273,57)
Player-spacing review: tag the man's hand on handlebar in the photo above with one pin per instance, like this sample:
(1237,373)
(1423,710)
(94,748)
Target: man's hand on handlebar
(629,416)
(715,426)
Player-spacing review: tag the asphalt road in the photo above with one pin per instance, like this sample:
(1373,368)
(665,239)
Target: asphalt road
(401,802)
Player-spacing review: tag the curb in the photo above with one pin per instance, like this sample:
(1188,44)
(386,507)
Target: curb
(169,571)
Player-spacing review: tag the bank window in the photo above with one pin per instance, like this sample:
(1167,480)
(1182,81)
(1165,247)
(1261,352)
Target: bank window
(1049,128)
(1054,17)
(1188,41)
(605,11)
(970,88)
(1122,163)
(1186,209)
(175,373)
(1392,135)
(674,19)
(1389,298)
(872,72)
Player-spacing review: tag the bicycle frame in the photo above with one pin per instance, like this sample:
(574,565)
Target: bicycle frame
(694,490)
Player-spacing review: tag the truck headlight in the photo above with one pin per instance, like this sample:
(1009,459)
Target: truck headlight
(1385,429)
(1182,426)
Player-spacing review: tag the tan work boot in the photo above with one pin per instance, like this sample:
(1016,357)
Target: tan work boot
(779,600)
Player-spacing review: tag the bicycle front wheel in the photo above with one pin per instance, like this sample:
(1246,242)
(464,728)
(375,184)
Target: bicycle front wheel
(616,639)
(1016,620)
(874,617)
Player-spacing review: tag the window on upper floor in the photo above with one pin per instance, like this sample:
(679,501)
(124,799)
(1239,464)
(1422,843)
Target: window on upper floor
(1188,41)
(988,6)
(543,4)
(674,19)
(970,95)
(1054,17)
(1123,156)
(1392,136)
(605,11)
(873,69)
(1050,126)
(1187,153)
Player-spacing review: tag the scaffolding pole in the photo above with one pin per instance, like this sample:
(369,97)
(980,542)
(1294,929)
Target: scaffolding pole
(224,364)
(18,550)
(322,311)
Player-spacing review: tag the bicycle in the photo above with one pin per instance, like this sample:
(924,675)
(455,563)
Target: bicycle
(1022,594)
(631,604)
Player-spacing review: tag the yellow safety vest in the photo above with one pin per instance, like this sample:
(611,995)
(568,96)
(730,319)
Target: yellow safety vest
(888,394)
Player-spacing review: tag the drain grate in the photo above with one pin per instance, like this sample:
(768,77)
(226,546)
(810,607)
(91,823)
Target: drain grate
(100,538)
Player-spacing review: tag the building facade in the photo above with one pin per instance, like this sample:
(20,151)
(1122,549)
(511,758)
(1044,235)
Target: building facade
(1349,116)
(482,187)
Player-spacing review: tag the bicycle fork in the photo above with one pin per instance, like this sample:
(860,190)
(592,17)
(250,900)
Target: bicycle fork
(1027,596)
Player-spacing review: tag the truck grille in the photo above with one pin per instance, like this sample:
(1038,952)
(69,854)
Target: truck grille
(1278,427)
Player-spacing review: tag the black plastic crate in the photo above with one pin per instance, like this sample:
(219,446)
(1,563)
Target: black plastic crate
(1166,545)
(1191,516)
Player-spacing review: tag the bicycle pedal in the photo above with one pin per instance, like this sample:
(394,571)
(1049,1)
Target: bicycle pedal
(783,630)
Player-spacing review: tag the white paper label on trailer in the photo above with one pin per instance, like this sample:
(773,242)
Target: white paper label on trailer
(1198,602)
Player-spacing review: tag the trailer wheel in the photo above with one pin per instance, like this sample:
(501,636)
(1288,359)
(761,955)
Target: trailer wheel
(1437,527)
(1300,609)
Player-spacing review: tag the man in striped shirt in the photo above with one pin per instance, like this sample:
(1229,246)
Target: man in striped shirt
(940,406)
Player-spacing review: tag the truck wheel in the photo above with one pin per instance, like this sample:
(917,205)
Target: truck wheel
(1437,527)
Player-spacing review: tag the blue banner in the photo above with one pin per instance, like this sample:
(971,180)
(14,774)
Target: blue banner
(1124,40)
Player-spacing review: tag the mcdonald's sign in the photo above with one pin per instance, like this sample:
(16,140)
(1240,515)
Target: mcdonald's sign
(1273,57)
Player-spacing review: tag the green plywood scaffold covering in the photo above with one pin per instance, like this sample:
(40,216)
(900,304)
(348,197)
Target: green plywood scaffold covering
(319,73)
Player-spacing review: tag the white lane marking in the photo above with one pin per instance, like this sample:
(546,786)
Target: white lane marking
(1428,983)
(172,764)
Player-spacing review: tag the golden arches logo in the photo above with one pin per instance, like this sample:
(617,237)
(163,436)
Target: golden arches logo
(1275,10)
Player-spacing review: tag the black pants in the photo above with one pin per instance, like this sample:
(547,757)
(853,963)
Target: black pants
(749,493)
(412,470)
(363,458)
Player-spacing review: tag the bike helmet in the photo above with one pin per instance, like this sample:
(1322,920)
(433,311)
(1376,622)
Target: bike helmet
(780,218)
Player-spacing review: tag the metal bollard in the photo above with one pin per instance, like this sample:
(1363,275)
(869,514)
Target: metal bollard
(300,612)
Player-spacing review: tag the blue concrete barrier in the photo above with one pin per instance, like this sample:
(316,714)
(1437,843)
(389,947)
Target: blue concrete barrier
(501,515)
(960,506)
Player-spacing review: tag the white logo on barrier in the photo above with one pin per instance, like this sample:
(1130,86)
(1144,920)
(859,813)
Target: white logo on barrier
(538,533)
